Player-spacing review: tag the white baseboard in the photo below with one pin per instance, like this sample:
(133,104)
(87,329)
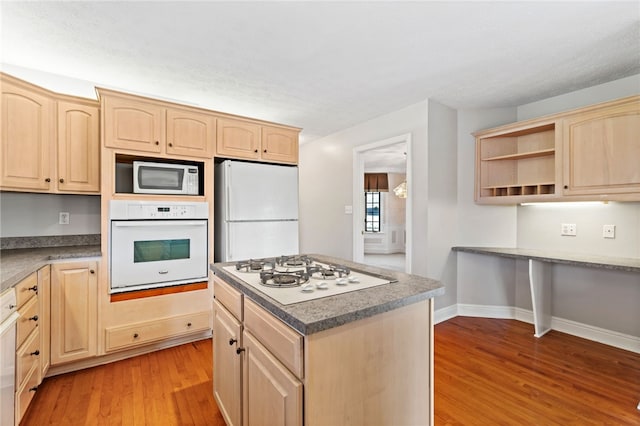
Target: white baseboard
(596,334)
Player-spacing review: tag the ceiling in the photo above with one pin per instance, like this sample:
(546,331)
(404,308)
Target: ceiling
(326,66)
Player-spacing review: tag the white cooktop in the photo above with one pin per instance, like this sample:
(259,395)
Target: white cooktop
(315,288)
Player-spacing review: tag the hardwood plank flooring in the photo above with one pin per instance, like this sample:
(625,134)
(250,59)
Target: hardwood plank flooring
(487,372)
(169,387)
(490,372)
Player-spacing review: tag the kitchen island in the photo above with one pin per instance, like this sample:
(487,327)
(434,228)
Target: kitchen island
(359,357)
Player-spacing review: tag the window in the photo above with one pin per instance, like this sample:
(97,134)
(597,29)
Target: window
(372,215)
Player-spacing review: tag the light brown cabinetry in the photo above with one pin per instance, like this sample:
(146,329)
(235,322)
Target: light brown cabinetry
(74,304)
(253,355)
(139,124)
(30,355)
(586,154)
(27,119)
(49,142)
(44,299)
(249,140)
(601,151)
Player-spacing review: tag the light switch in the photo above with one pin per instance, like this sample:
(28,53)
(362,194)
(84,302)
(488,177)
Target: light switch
(348,209)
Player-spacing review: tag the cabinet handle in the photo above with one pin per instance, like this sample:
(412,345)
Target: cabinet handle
(188,324)
(36,352)
(566,187)
(12,306)
(34,318)
(157,143)
(47,180)
(232,341)
(33,389)
(34,288)
(91,271)
(255,150)
(61,180)
(135,335)
(239,350)
(170,144)
(264,150)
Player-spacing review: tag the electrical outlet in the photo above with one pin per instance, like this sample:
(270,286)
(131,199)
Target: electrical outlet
(608,231)
(63,218)
(568,229)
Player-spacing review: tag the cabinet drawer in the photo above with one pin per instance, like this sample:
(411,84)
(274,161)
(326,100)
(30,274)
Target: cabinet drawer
(28,321)
(283,342)
(151,331)
(27,356)
(26,289)
(25,393)
(228,296)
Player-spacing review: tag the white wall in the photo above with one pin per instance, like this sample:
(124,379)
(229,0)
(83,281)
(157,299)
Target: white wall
(326,177)
(36,215)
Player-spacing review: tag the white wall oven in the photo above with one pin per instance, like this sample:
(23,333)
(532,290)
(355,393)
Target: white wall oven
(157,244)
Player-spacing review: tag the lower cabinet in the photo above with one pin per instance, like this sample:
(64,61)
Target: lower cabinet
(271,394)
(74,311)
(257,364)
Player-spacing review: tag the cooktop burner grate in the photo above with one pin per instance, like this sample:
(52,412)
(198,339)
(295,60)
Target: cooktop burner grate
(294,261)
(329,272)
(283,279)
(255,265)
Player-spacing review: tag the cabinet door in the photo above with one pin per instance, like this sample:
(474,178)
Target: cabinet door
(227,378)
(280,145)
(44,299)
(602,151)
(190,133)
(132,124)
(26,136)
(271,394)
(237,139)
(74,300)
(78,148)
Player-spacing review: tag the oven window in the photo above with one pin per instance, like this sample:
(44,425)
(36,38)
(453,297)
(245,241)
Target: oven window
(157,250)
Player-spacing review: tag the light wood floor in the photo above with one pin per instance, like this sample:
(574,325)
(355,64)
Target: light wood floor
(487,372)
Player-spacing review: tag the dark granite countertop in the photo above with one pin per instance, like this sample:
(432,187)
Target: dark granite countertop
(321,314)
(17,264)
(628,264)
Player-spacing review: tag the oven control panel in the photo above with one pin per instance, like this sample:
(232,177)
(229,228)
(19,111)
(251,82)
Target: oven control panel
(132,210)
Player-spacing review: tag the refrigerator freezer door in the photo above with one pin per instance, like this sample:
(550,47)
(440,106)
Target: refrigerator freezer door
(260,191)
(256,240)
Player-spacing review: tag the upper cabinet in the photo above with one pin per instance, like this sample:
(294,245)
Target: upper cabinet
(601,151)
(48,142)
(586,154)
(139,124)
(255,141)
(27,119)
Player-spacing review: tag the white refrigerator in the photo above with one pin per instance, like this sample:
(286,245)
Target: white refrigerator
(256,211)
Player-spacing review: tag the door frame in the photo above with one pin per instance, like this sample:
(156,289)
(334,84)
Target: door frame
(358,201)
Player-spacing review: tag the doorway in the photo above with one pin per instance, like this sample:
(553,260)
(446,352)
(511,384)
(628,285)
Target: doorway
(390,245)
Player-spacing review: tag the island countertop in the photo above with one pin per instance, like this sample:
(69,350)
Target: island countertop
(17,264)
(315,315)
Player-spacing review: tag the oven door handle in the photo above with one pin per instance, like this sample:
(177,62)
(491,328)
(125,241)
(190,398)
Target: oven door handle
(136,224)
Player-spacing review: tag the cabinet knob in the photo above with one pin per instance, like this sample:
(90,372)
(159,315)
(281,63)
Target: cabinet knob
(91,271)
(232,341)
(34,288)
(135,335)
(157,142)
(255,150)
(566,187)
(170,144)
(264,150)
(33,389)
(61,180)
(12,306)
(47,180)
(188,324)
(239,350)
(36,352)
(34,318)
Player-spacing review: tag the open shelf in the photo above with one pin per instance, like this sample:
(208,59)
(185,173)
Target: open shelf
(546,188)
(523,155)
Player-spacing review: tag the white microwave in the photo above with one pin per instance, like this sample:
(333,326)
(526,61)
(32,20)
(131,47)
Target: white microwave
(164,178)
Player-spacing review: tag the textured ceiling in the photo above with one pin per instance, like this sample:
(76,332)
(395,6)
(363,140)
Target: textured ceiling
(325,66)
